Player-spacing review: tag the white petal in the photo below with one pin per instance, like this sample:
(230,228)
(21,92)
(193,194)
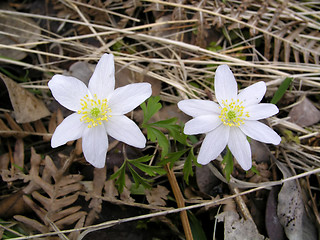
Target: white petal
(125,99)
(225,85)
(213,144)
(261,111)
(102,81)
(253,93)
(240,148)
(68,91)
(202,124)
(196,107)
(95,145)
(125,130)
(260,132)
(70,129)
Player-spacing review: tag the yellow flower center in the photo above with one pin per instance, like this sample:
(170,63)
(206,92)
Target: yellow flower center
(232,113)
(94,111)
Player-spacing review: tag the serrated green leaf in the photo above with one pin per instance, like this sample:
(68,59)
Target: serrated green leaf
(151,108)
(156,135)
(281,90)
(228,161)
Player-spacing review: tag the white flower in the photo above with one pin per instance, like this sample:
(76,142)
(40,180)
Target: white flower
(99,111)
(229,123)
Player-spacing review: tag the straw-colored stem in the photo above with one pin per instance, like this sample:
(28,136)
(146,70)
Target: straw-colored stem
(180,202)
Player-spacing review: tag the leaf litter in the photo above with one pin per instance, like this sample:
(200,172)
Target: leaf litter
(176,46)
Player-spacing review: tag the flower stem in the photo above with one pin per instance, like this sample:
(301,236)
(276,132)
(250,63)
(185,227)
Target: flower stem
(180,202)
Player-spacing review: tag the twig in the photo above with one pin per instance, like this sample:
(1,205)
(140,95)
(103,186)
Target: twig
(180,202)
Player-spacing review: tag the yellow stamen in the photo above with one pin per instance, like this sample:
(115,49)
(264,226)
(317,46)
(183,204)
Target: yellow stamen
(232,113)
(94,111)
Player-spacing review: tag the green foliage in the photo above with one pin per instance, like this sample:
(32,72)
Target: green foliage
(187,168)
(154,132)
(139,163)
(228,161)
(16,230)
(196,227)
(281,90)
(175,133)
(289,137)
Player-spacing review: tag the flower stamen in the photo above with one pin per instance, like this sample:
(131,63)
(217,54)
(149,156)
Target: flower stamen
(94,111)
(232,113)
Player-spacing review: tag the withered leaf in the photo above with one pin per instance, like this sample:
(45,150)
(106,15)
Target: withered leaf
(235,228)
(12,205)
(291,210)
(305,113)
(157,196)
(32,223)
(26,106)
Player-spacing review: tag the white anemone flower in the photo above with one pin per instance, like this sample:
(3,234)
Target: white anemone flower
(99,111)
(232,120)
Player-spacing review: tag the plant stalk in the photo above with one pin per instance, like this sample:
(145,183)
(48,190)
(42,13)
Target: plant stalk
(180,202)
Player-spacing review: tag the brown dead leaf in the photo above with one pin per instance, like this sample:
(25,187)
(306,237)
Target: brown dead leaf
(157,196)
(110,190)
(18,155)
(305,113)
(32,223)
(26,106)
(12,205)
(235,228)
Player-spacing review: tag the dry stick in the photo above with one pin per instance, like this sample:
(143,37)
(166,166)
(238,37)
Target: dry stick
(180,202)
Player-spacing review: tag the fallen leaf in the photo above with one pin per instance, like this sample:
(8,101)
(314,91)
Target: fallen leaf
(304,114)
(13,205)
(291,210)
(110,190)
(236,229)
(273,226)
(157,196)
(26,106)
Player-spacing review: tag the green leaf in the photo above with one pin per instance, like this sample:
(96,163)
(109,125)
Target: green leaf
(196,227)
(228,161)
(141,159)
(121,174)
(281,90)
(138,179)
(172,157)
(174,129)
(150,170)
(187,168)
(156,135)
(151,108)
